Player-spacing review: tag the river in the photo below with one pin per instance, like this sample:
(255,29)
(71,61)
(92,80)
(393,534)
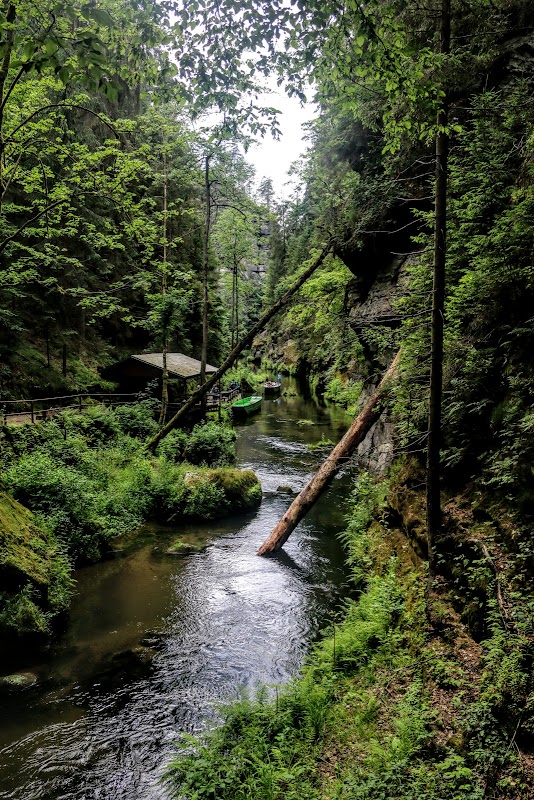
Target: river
(155,643)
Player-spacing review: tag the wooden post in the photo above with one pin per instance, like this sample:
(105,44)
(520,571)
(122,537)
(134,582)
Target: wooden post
(32,410)
(337,458)
(433,465)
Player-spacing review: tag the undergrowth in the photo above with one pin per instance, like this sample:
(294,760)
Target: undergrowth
(89,478)
(385,708)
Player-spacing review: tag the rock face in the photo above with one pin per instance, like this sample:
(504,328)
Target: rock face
(277,349)
(372,304)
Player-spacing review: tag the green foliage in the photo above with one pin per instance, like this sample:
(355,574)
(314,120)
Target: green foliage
(343,393)
(205,500)
(89,480)
(90,476)
(368,499)
(37,581)
(263,750)
(366,704)
(172,447)
(210,445)
(137,420)
(21,613)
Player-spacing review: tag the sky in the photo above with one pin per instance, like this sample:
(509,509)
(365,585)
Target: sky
(272,158)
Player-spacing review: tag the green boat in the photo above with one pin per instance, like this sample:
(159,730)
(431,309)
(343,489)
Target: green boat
(248,405)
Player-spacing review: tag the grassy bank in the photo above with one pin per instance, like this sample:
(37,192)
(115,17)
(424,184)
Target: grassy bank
(396,703)
(88,479)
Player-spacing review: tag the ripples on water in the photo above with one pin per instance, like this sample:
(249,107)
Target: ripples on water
(222,621)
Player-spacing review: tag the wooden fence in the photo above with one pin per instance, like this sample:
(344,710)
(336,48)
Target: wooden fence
(41,408)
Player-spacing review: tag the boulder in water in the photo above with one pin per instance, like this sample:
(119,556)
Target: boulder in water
(18,681)
(179,548)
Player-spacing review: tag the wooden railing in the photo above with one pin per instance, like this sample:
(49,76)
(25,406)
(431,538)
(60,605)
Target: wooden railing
(41,407)
(215,399)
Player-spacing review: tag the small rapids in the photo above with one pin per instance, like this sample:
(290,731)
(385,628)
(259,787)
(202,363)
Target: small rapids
(154,644)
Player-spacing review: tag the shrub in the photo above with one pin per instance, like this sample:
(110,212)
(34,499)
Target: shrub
(210,445)
(343,393)
(172,447)
(21,613)
(205,500)
(138,419)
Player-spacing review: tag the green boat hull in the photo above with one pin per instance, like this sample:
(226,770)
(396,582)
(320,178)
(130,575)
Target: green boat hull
(246,406)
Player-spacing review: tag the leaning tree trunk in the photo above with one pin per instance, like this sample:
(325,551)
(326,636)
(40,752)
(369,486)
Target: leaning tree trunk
(337,458)
(238,349)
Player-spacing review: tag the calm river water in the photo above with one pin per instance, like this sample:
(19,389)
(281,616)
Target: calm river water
(154,643)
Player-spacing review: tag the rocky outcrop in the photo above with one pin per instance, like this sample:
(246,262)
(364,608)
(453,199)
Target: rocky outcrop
(373,304)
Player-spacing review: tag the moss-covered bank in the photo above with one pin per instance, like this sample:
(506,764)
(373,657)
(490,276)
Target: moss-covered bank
(35,573)
(399,701)
(89,480)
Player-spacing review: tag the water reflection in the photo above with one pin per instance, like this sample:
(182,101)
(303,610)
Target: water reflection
(154,643)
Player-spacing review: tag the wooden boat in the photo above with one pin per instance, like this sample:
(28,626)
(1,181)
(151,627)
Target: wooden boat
(248,405)
(271,388)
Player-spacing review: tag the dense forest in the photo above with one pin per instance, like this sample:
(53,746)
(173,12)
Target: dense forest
(132,222)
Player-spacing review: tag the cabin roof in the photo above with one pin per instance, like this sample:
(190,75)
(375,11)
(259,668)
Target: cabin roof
(177,364)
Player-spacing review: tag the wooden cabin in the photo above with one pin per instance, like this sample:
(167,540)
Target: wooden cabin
(134,373)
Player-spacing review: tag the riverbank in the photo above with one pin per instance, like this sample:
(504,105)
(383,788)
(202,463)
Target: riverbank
(153,644)
(401,701)
(78,484)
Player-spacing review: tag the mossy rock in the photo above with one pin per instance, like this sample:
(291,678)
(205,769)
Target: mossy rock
(179,548)
(285,490)
(35,576)
(22,546)
(18,681)
(215,493)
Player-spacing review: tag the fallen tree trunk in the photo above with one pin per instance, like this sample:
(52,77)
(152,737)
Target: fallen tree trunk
(238,349)
(322,478)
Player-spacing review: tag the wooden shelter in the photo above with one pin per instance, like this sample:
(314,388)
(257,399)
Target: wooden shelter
(135,372)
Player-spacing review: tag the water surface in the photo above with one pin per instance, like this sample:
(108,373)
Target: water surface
(154,643)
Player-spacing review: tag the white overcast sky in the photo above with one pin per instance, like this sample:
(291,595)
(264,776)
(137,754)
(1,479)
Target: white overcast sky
(272,158)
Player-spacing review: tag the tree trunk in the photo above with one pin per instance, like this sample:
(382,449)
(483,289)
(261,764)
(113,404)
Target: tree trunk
(205,260)
(433,465)
(236,278)
(4,72)
(337,458)
(238,349)
(165,373)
